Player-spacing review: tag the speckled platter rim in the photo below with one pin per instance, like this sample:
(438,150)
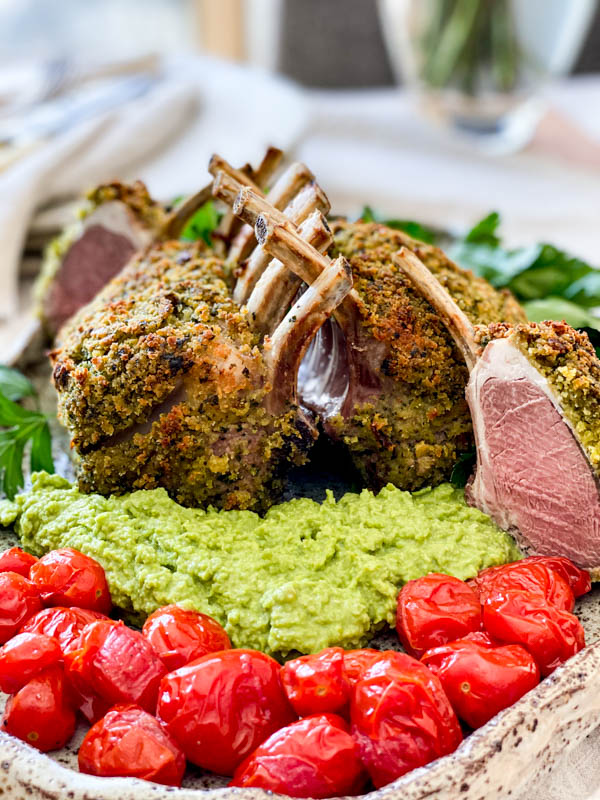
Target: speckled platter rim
(495,761)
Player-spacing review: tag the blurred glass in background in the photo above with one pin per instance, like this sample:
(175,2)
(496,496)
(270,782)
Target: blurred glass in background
(478,65)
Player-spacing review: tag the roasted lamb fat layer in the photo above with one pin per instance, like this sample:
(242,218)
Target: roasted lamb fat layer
(163,382)
(534,395)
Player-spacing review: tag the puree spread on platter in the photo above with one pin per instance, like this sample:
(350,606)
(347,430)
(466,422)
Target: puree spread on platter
(305,576)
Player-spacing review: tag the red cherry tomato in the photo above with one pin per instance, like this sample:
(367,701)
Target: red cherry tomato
(480,680)
(316,684)
(24,656)
(532,578)
(115,664)
(578,579)
(19,600)
(16,560)
(40,713)
(357,662)
(222,706)
(434,610)
(550,634)
(130,743)
(180,636)
(67,577)
(401,718)
(314,757)
(63,624)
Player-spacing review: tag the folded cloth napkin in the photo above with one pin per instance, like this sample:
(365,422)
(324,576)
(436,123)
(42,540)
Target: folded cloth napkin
(95,150)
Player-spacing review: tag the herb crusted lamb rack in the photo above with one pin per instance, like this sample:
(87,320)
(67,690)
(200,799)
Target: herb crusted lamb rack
(384,375)
(164,380)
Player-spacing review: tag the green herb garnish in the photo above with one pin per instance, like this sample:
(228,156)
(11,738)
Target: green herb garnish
(18,427)
(412,228)
(463,469)
(202,224)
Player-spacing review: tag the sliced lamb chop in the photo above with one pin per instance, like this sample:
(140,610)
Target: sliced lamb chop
(118,221)
(534,396)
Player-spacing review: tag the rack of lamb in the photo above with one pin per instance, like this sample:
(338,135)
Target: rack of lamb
(534,396)
(383,375)
(164,380)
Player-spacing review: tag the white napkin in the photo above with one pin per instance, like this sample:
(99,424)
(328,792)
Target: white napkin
(96,150)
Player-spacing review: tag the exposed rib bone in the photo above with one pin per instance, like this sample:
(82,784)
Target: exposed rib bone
(277,286)
(455,320)
(282,193)
(229,225)
(292,336)
(309,199)
(178,219)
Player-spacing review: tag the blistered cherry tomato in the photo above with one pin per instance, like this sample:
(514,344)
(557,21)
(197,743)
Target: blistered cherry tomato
(578,579)
(24,656)
(63,624)
(480,680)
(130,743)
(67,577)
(401,718)
(116,664)
(314,757)
(180,636)
(19,600)
(40,713)
(357,662)
(434,610)
(16,560)
(550,634)
(222,706)
(316,684)
(527,577)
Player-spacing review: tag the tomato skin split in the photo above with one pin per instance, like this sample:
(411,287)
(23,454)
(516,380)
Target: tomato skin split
(401,718)
(314,757)
(550,634)
(528,577)
(179,636)
(23,657)
(67,577)
(111,664)
(222,706)
(316,684)
(19,601)
(40,713)
(16,560)
(129,742)
(434,610)
(480,679)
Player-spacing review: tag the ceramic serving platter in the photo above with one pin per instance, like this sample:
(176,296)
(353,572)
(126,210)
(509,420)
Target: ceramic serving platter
(497,761)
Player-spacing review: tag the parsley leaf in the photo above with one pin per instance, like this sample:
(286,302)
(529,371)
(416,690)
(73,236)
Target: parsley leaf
(18,426)
(14,385)
(202,224)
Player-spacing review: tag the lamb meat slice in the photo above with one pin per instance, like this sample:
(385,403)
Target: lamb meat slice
(118,221)
(534,396)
